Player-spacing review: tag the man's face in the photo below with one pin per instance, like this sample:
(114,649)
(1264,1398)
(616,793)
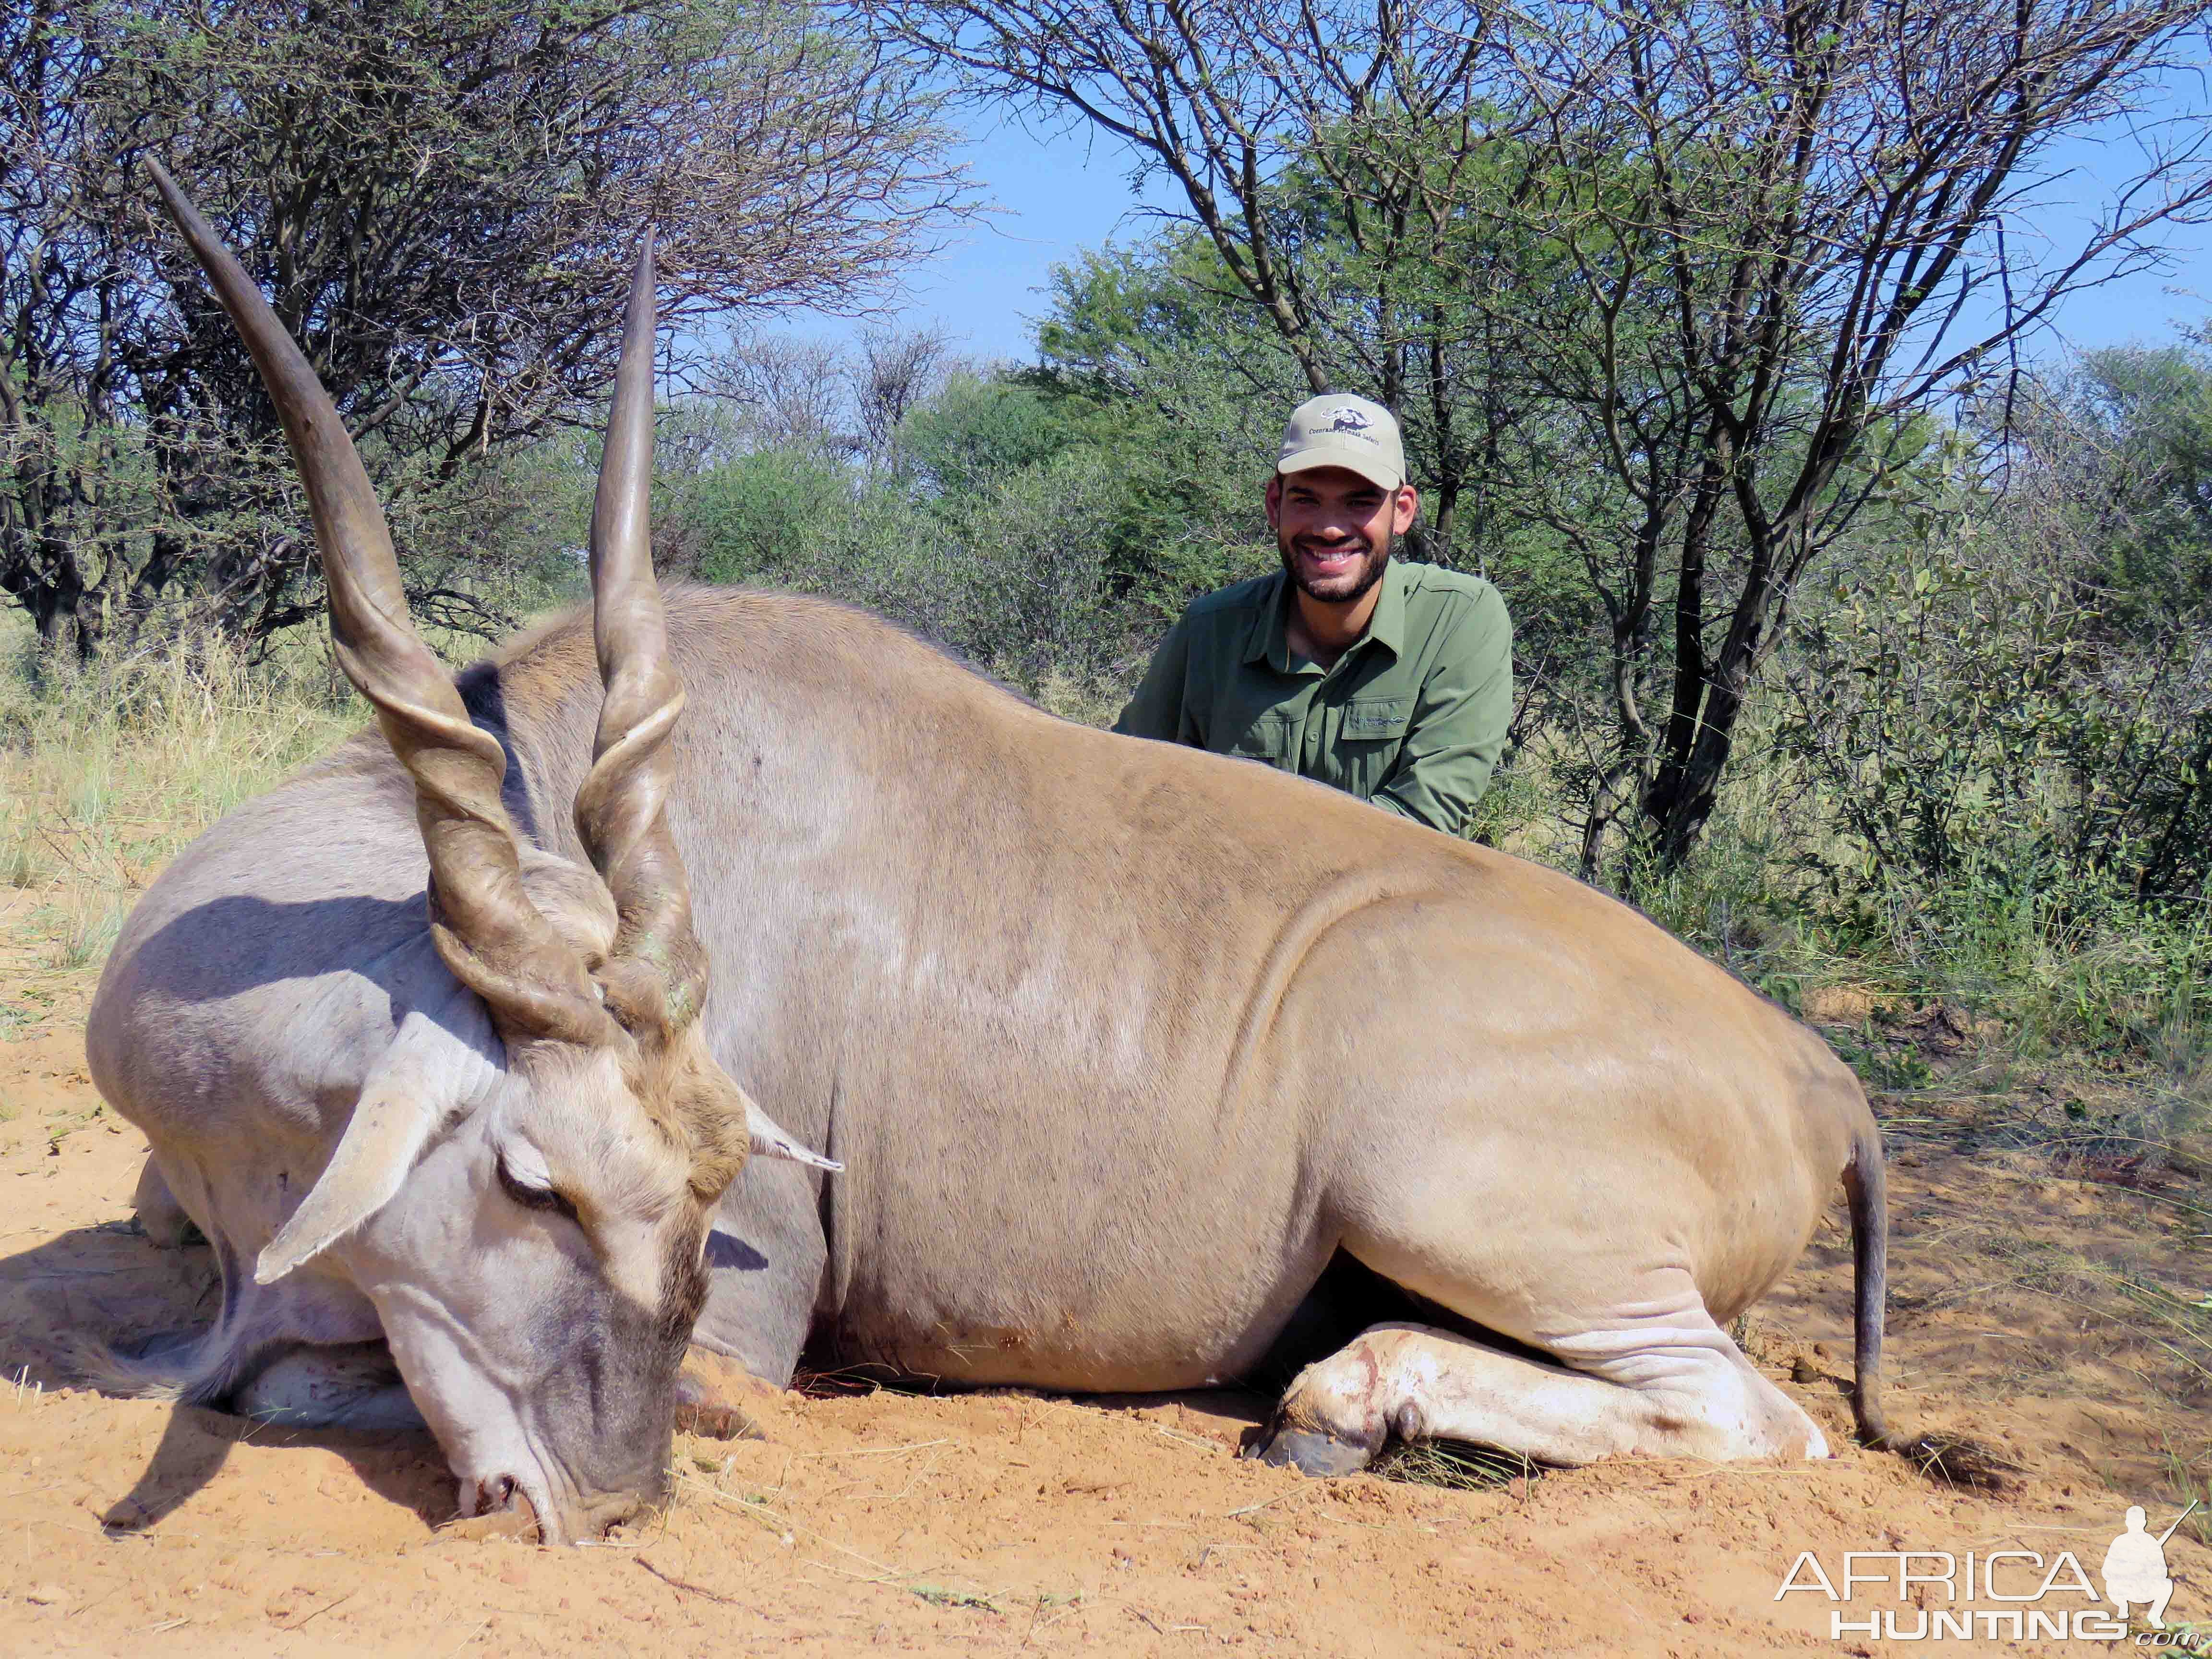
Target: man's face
(1334,530)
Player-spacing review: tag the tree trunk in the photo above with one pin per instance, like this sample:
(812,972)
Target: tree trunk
(66,615)
(1445,520)
(1728,684)
(1698,780)
(1631,643)
(1686,710)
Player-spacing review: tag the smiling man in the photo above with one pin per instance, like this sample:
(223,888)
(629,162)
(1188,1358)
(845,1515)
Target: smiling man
(1393,682)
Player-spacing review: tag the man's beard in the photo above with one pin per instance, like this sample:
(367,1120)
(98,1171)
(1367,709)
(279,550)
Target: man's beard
(1370,573)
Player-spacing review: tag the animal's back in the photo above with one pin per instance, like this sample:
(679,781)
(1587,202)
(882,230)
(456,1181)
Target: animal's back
(815,733)
(1094,977)
(251,930)
(822,745)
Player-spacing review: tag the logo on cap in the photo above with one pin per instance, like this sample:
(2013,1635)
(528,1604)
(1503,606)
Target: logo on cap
(1350,419)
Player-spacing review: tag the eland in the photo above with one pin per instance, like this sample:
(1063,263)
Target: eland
(1141,1068)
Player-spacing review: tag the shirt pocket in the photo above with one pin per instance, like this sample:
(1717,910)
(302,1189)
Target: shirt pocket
(1268,738)
(1371,734)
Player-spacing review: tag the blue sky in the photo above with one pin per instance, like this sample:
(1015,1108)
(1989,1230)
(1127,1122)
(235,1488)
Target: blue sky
(1057,193)
(1061,192)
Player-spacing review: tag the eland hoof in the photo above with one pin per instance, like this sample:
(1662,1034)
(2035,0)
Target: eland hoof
(1319,1455)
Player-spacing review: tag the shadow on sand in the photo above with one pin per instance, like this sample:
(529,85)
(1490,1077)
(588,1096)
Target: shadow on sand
(108,1290)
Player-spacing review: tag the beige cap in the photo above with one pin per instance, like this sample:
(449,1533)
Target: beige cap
(1337,430)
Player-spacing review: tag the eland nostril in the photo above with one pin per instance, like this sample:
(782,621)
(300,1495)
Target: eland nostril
(498,1508)
(488,1496)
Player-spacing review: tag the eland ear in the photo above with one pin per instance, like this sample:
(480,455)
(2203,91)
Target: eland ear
(380,1147)
(768,1138)
(399,1106)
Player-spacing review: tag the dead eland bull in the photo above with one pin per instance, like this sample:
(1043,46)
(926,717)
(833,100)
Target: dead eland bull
(1119,1044)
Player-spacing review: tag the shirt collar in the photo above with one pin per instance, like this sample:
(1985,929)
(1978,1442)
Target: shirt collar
(1269,638)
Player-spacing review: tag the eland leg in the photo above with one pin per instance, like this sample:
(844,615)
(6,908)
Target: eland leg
(765,1258)
(717,1397)
(355,1386)
(1684,1391)
(161,1218)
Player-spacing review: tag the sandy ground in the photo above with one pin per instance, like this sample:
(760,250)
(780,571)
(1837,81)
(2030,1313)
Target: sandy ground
(880,1521)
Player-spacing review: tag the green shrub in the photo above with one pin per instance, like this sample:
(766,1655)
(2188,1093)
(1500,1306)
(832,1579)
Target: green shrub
(759,515)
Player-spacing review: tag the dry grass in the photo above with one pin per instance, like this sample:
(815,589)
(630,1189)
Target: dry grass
(2189,1480)
(107,772)
(2083,1304)
(1457,1466)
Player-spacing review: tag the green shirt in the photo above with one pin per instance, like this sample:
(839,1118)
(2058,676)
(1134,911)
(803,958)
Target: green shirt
(1412,716)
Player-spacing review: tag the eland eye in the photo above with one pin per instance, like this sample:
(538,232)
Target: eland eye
(620,1012)
(534,1198)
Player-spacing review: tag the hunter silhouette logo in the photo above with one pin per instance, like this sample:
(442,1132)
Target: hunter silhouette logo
(2135,1566)
(2034,1596)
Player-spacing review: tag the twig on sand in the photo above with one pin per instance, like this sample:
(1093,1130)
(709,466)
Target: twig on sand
(897,1582)
(323,1609)
(685,1584)
(770,1518)
(1075,1604)
(465,1640)
(938,1595)
(914,1584)
(86,1606)
(873,1451)
(1165,1630)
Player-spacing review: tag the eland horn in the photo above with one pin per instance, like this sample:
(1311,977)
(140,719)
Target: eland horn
(484,925)
(622,804)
